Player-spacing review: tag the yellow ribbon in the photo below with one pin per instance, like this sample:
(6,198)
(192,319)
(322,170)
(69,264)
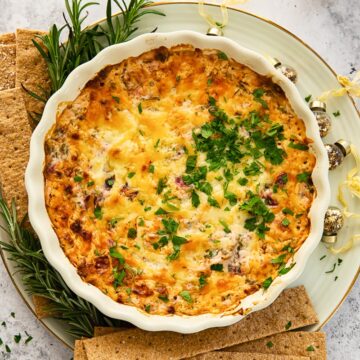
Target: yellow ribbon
(224,13)
(351,87)
(352,183)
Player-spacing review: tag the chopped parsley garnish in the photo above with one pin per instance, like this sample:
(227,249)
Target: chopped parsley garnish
(287,211)
(115,254)
(140,108)
(131,174)
(164,240)
(151,168)
(113,222)
(78,178)
(259,212)
(132,233)
(177,242)
(202,281)
(217,267)
(298,146)
(288,325)
(252,169)
(335,278)
(7,348)
(336,113)
(12,314)
(161,211)
(164,298)
(231,197)
(288,248)
(116,98)
(98,212)
(279,260)
(17,338)
(157,143)
(90,183)
(269,344)
(285,222)
(161,186)
(243,181)
(283,270)
(3,324)
(310,348)
(186,296)
(339,261)
(147,308)
(258,94)
(303,177)
(209,81)
(332,270)
(28,339)
(118,277)
(308,98)
(191,163)
(222,55)
(225,225)
(266,283)
(109,182)
(213,202)
(195,199)
(323,257)
(1,342)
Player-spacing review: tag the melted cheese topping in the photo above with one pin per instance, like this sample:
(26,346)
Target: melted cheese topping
(163,187)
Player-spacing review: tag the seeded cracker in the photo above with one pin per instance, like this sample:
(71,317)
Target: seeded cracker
(302,343)
(293,305)
(247,356)
(15,136)
(7,39)
(31,69)
(7,66)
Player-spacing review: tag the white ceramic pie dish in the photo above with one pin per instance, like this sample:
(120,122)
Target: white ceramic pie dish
(35,182)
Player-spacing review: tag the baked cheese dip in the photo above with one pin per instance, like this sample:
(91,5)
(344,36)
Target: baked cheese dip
(179,181)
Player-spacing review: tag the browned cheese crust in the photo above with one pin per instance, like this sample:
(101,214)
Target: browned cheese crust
(179,181)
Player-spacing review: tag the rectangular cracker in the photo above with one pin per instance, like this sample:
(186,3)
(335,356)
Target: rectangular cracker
(7,66)
(79,351)
(31,69)
(299,343)
(15,134)
(7,39)
(293,305)
(221,355)
(102,330)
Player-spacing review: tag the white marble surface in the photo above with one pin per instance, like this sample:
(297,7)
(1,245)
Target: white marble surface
(331,27)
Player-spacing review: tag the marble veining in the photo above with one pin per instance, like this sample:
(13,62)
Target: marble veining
(331,27)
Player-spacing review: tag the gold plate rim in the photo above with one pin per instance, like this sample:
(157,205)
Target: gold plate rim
(160,3)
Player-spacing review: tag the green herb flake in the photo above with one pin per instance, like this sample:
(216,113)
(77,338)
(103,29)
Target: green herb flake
(164,298)
(116,98)
(151,168)
(78,178)
(186,296)
(131,174)
(269,344)
(222,55)
(17,338)
(195,199)
(217,267)
(308,98)
(310,348)
(161,186)
(141,222)
(209,81)
(118,277)
(29,338)
(8,350)
(336,113)
(157,143)
(191,163)
(298,146)
(161,211)
(3,324)
(137,246)
(258,94)
(132,233)
(336,277)
(287,211)
(90,183)
(288,325)
(323,257)
(267,282)
(288,248)
(115,254)
(202,281)
(279,260)
(243,181)
(98,212)
(339,261)
(213,202)
(147,308)
(12,314)
(285,222)
(226,226)
(303,177)
(331,270)
(140,109)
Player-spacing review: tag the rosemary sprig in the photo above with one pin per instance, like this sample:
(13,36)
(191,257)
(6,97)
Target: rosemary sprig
(84,43)
(39,278)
